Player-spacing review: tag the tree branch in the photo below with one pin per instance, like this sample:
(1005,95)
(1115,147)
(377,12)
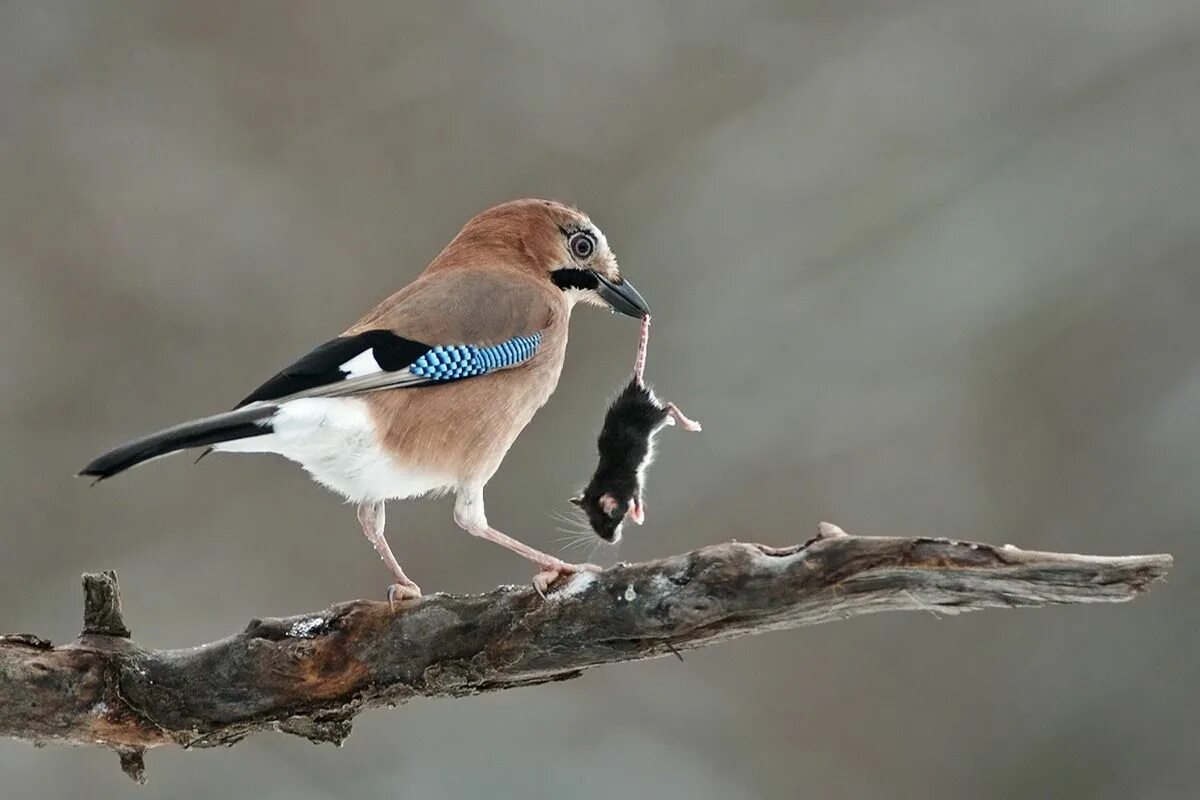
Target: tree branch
(309,675)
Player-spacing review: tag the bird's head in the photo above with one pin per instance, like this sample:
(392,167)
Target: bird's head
(554,242)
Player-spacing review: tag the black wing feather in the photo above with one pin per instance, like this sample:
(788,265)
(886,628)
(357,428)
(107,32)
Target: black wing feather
(323,365)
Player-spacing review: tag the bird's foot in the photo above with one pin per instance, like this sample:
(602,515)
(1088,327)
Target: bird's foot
(402,591)
(553,570)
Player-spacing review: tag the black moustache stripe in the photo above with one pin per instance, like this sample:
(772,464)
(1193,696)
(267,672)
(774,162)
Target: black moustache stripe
(574,278)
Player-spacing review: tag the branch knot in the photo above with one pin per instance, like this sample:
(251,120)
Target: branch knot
(102,605)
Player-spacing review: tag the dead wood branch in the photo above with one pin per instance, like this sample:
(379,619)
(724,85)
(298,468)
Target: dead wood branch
(310,675)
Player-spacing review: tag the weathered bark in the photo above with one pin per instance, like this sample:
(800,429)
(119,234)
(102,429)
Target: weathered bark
(309,675)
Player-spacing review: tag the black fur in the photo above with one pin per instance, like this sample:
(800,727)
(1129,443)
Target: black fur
(321,366)
(240,424)
(624,444)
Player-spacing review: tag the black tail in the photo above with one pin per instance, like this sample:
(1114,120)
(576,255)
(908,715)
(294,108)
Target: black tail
(240,424)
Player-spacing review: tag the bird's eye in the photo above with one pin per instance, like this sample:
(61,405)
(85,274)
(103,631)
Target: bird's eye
(582,245)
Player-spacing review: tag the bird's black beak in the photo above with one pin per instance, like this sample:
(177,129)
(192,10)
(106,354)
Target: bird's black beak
(622,297)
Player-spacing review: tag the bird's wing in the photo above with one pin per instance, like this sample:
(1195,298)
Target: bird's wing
(443,327)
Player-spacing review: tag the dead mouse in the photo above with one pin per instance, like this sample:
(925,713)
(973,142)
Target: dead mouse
(626,445)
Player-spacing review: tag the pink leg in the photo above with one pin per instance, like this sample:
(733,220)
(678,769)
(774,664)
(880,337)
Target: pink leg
(371,517)
(684,422)
(469,515)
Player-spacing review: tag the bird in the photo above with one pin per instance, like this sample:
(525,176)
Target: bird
(427,391)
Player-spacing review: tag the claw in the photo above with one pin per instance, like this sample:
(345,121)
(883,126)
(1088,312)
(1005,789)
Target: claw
(402,591)
(552,572)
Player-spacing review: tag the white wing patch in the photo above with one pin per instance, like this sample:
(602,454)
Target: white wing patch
(362,365)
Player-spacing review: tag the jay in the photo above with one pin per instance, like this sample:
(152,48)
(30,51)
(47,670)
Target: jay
(427,392)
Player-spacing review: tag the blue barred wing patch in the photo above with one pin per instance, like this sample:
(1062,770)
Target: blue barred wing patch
(450,362)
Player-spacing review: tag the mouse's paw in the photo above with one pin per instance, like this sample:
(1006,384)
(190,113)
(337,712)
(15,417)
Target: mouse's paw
(637,510)
(684,421)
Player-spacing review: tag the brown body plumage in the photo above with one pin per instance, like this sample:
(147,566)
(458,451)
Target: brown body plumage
(465,428)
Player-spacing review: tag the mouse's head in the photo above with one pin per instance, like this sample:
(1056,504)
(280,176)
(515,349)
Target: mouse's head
(605,513)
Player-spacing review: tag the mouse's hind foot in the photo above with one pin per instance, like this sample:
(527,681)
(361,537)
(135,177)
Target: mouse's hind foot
(685,422)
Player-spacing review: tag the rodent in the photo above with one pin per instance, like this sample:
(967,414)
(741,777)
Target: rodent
(626,445)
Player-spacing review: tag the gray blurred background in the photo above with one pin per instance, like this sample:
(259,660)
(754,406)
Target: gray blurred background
(920,268)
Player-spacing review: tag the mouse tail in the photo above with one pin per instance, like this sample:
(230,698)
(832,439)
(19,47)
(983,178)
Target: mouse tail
(639,361)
